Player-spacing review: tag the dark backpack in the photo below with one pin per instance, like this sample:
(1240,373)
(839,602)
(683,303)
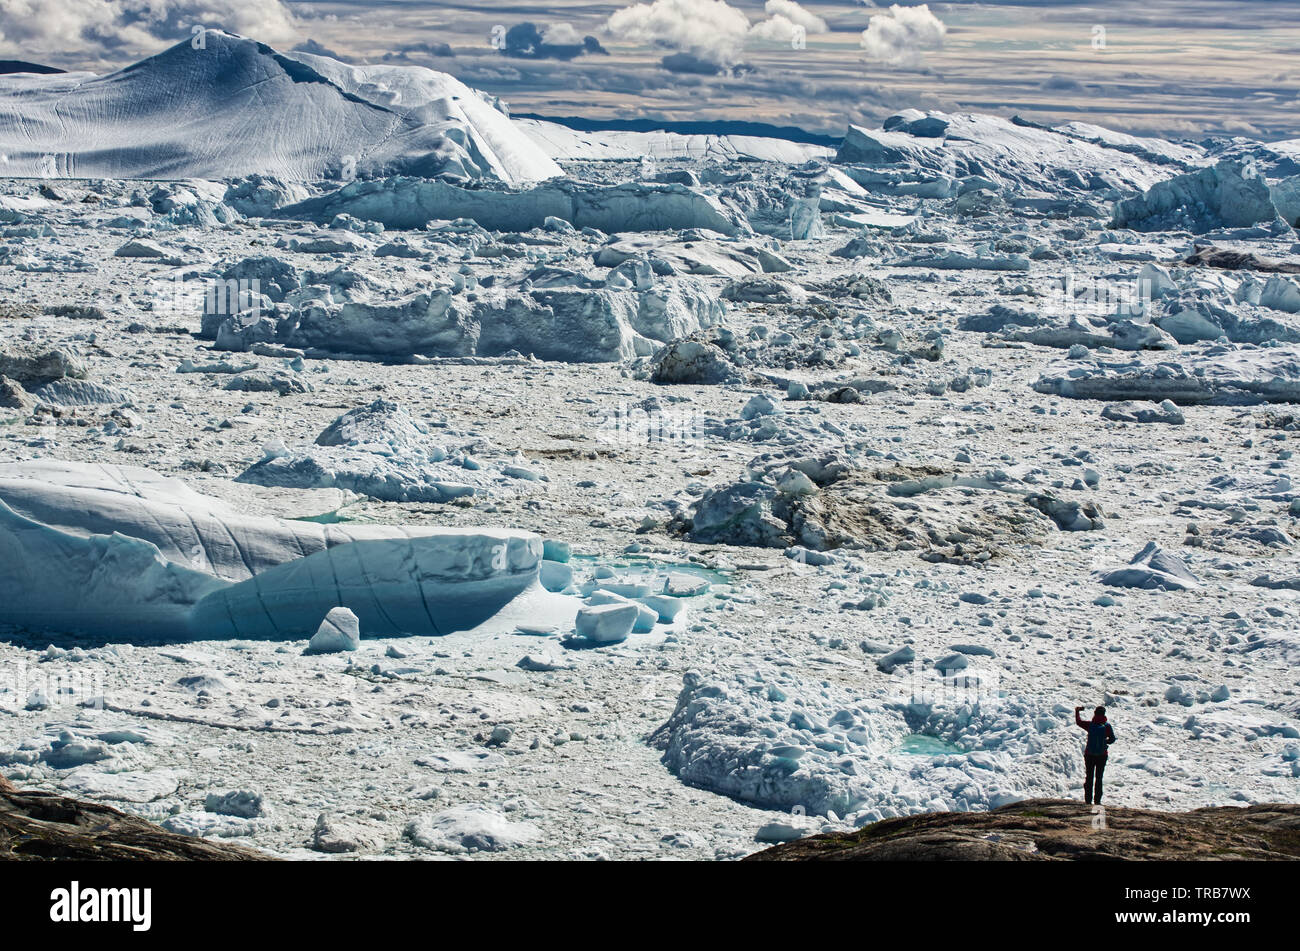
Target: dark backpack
(1097,745)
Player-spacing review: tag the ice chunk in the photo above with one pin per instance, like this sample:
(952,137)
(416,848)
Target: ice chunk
(666,606)
(338,835)
(257,196)
(740,514)
(14,396)
(556,576)
(236,802)
(380,451)
(540,663)
(606,623)
(1132,411)
(210,825)
(1282,294)
(764,290)
(1152,568)
(952,259)
(669,253)
(470,828)
(692,360)
(135,248)
(138,786)
(1014,323)
(561,143)
(904,655)
(784,830)
(339,631)
(806,219)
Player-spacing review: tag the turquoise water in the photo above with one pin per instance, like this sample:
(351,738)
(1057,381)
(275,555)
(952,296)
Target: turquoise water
(633,568)
(328,518)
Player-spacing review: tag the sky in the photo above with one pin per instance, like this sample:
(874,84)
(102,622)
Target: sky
(1175,68)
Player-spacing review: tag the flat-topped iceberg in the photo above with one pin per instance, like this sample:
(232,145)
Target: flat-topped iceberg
(1217,375)
(114,550)
(402,202)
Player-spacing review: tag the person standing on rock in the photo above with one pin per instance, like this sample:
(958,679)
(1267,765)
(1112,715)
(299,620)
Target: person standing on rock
(1100,737)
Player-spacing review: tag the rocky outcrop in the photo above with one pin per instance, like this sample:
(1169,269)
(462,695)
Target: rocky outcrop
(41,826)
(1059,830)
(33,366)
(1231,260)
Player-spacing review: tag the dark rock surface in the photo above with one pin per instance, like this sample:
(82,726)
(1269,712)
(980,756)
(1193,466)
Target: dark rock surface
(1060,830)
(40,826)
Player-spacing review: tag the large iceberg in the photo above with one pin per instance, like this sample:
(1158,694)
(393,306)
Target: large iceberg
(1005,152)
(1220,196)
(128,553)
(344,312)
(402,202)
(1216,375)
(222,106)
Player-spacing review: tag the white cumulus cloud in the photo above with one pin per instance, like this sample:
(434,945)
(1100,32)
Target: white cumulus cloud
(795,14)
(561,34)
(709,29)
(775,29)
(903,34)
(55,29)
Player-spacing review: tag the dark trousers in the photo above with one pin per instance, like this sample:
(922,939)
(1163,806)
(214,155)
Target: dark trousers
(1093,767)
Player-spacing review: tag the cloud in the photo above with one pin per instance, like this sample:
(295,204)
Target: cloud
(1062,84)
(560,41)
(709,30)
(418,52)
(64,28)
(776,29)
(315,49)
(795,14)
(561,34)
(709,33)
(689,64)
(901,35)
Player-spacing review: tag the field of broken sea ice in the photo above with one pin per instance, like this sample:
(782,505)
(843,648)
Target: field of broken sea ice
(580,504)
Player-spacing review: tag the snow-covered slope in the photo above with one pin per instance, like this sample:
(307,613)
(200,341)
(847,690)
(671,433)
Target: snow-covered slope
(563,143)
(1153,150)
(1016,152)
(238,107)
